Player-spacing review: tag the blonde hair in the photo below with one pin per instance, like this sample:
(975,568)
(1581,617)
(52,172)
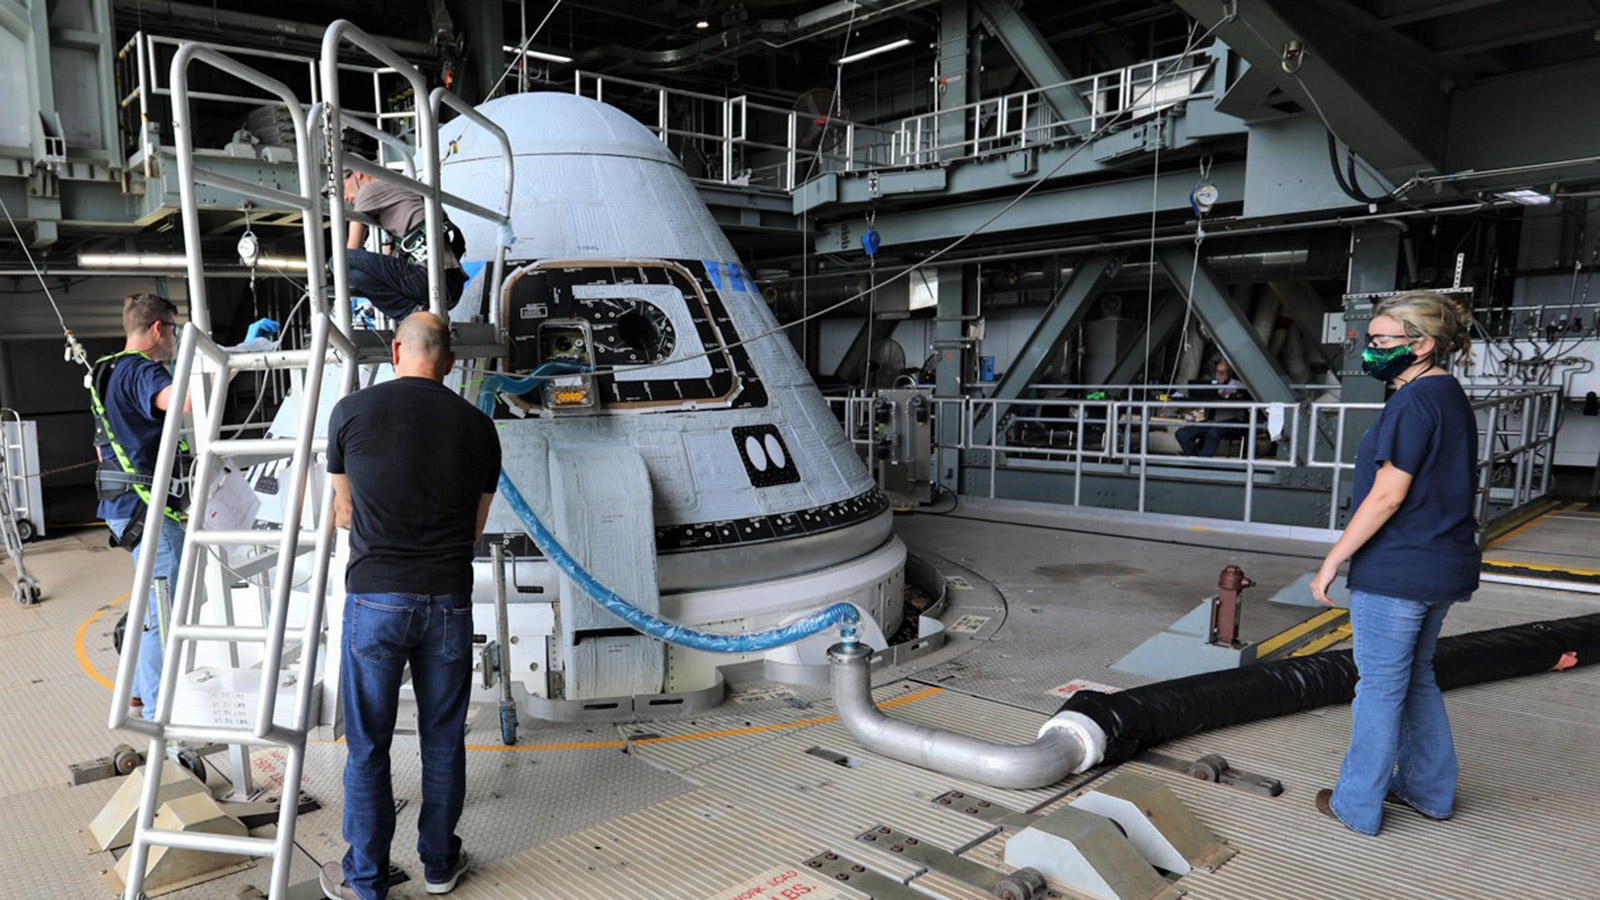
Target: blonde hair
(1427,314)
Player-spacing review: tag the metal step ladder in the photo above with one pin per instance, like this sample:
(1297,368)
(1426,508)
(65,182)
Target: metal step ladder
(201,372)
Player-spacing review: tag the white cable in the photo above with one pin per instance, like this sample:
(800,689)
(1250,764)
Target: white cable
(75,351)
(920,264)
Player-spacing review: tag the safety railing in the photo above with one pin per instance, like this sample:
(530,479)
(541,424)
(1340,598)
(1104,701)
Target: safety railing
(1517,427)
(1032,117)
(143,98)
(1266,442)
(737,141)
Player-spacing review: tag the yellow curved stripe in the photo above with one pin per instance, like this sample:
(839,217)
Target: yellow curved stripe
(89,669)
(83,656)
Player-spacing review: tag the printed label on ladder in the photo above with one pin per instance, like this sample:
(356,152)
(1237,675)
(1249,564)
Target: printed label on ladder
(787,883)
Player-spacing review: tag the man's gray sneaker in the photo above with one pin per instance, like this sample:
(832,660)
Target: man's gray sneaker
(333,883)
(449,884)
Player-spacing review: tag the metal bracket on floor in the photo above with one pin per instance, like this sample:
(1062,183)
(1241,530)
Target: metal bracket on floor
(985,810)
(1022,884)
(256,813)
(122,761)
(876,885)
(1212,767)
(1158,824)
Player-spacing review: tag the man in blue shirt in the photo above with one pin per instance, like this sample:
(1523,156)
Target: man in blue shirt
(130,393)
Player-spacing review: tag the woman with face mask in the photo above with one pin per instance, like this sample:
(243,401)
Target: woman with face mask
(1413,551)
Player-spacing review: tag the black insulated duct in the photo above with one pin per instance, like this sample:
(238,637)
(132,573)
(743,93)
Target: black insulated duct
(1143,717)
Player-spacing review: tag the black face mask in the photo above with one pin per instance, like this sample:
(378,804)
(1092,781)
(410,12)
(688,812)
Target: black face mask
(1385,364)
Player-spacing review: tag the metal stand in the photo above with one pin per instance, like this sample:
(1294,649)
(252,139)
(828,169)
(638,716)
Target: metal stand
(502,634)
(24,588)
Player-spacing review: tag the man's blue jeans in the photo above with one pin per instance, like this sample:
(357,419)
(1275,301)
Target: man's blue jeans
(396,287)
(169,551)
(383,632)
(1400,740)
(1199,440)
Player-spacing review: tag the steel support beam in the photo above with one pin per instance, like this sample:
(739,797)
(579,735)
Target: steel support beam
(1541,104)
(1163,323)
(1303,306)
(1033,55)
(1228,325)
(953,74)
(1374,266)
(950,349)
(1374,86)
(853,364)
(1088,203)
(1089,277)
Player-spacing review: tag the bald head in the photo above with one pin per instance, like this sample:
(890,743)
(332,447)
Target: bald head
(422,347)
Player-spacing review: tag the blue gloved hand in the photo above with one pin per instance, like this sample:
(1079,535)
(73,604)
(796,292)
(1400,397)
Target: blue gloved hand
(261,328)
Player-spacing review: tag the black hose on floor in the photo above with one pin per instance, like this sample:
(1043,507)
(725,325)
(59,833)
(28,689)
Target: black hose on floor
(1143,717)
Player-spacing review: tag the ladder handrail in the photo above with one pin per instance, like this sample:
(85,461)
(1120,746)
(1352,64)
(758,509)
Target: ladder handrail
(504,235)
(311,222)
(344,30)
(198,352)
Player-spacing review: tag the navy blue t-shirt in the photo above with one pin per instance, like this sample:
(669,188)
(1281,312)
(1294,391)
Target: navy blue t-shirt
(419,459)
(1428,551)
(130,402)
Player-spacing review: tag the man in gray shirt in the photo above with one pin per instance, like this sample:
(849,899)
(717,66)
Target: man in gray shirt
(396,281)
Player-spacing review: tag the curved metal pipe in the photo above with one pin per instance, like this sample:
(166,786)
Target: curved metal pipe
(1067,743)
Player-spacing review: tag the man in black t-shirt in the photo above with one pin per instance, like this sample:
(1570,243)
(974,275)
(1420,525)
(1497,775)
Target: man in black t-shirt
(414,468)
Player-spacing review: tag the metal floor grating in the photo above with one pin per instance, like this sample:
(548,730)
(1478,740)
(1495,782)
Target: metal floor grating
(693,809)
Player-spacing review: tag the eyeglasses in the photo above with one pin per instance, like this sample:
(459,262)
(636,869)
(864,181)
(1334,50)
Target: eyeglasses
(1373,340)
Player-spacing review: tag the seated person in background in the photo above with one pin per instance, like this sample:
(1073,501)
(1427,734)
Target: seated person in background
(1202,440)
(396,281)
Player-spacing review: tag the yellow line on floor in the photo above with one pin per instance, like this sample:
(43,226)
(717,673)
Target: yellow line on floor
(83,656)
(694,736)
(1554,508)
(1512,564)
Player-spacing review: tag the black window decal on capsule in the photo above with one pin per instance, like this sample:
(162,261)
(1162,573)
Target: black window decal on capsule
(640,313)
(766,458)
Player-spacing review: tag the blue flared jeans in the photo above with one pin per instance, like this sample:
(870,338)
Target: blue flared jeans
(382,633)
(1400,739)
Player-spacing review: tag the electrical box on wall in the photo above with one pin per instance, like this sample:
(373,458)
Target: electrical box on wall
(1333,327)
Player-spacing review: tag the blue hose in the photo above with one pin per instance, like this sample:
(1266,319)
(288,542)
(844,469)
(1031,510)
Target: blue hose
(842,614)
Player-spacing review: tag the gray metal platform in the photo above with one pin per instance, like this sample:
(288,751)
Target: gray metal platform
(706,807)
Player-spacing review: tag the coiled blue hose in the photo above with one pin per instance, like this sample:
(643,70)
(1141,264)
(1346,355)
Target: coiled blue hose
(842,614)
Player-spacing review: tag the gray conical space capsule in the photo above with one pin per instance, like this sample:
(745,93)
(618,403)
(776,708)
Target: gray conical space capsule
(700,473)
